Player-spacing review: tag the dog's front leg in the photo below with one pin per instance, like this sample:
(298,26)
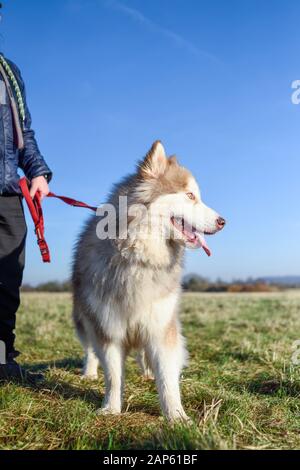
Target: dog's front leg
(112,359)
(167,361)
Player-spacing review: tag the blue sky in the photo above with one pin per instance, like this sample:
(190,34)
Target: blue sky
(211,79)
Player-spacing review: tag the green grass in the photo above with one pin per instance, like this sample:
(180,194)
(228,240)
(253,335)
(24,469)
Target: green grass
(240,387)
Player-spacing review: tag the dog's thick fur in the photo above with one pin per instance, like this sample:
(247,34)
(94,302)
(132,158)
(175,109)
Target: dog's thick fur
(126,290)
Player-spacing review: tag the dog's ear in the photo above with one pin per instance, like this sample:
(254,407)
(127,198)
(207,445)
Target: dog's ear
(155,162)
(173,160)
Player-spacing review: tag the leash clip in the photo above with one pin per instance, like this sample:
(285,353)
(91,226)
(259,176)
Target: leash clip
(44,249)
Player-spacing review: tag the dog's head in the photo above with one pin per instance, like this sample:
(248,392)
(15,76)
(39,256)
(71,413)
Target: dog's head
(173,196)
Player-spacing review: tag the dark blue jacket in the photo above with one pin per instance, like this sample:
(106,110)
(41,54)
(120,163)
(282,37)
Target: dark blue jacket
(29,159)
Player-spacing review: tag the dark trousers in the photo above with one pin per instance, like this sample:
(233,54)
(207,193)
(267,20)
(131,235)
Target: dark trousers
(12,258)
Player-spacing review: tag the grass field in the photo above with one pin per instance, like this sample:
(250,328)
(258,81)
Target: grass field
(240,387)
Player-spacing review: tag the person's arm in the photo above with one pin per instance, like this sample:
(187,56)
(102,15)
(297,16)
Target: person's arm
(30,159)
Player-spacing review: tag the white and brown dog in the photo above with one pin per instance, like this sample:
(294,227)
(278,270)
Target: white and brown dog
(127,286)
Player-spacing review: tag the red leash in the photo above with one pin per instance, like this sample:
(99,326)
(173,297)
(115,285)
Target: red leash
(36,211)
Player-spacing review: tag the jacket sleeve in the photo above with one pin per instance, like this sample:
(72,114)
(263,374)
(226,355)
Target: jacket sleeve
(30,159)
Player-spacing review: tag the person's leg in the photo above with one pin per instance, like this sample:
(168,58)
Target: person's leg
(12,258)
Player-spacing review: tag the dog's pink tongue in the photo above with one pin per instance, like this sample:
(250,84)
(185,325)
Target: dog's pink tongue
(207,250)
(203,244)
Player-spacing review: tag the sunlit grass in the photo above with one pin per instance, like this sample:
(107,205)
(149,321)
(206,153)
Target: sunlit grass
(240,387)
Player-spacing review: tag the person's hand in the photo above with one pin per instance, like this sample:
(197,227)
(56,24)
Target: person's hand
(39,184)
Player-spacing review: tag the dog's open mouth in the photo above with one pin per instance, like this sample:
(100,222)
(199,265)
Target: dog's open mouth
(191,234)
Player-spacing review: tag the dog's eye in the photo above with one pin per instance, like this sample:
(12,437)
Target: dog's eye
(191,196)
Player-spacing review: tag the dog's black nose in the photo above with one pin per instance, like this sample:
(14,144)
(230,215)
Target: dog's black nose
(221,223)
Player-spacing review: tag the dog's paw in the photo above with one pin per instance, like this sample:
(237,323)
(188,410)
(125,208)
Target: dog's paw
(185,420)
(107,410)
(89,377)
(180,418)
(148,375)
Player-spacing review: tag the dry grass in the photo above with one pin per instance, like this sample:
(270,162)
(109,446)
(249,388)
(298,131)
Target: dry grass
(240,387)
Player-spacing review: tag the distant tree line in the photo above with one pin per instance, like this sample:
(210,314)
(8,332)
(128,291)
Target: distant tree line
(52,286)
(196,283)
(193,283)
